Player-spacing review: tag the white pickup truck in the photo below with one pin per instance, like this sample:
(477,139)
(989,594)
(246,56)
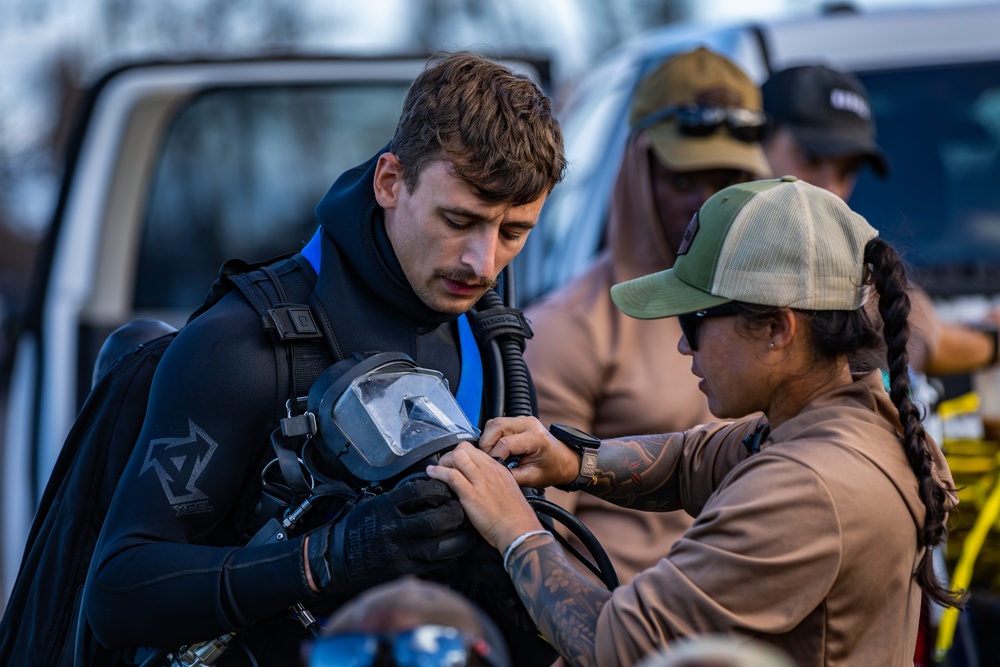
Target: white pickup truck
(174,168)
(934,79)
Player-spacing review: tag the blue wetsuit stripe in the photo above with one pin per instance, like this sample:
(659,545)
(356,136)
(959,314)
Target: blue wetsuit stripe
(470,383)
(312,250)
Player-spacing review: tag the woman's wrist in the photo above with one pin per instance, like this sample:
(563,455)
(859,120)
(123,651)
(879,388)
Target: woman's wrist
(519,540)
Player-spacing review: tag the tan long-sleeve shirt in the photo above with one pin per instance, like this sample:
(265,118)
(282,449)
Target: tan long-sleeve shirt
(809,544)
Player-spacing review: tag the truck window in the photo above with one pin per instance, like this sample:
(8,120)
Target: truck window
(239,174)
(941,130)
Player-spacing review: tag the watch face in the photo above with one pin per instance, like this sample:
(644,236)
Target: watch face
(573,436)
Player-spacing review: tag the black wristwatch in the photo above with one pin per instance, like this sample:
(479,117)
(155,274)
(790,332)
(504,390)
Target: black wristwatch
(584,444)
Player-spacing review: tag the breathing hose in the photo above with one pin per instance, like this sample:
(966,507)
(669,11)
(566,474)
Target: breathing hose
(511,391)
(602,566)
(511,397)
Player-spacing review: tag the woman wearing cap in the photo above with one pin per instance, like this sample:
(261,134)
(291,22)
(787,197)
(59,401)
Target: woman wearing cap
(814,518)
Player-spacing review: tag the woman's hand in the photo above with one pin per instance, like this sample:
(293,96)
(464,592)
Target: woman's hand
(543,460)
(489,495)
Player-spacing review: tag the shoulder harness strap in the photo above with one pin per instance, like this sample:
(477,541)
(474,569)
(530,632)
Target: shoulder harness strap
(279,292)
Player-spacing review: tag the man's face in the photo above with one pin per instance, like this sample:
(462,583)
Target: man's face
(679,194)
(788,157)
(451,244)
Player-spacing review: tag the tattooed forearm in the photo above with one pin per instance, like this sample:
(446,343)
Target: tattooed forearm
(562,601)
(640,471)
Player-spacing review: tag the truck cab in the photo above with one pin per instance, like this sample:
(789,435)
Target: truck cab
(932,74)
(175,167)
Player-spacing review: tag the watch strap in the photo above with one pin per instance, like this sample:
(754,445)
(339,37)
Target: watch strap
(588,459)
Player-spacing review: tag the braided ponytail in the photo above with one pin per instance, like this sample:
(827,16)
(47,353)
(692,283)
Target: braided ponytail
(889,279)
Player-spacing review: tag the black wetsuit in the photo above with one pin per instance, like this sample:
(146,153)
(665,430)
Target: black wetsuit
(168,570)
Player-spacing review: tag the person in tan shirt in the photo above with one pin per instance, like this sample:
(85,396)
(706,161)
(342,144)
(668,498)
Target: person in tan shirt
(815,518)
(593,367)
(822,130)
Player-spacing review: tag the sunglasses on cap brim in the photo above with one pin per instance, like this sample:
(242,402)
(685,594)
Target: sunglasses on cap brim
(694,120)
(423,646)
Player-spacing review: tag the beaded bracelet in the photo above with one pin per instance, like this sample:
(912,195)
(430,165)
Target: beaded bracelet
(518,541)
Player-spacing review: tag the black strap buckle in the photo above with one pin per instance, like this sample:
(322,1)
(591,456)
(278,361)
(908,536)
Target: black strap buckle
(292,323)
(499,321)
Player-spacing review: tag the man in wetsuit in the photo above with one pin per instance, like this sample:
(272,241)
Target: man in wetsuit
(408,242)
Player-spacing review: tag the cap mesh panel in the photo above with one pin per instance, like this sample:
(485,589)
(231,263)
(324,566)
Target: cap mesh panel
(796,247)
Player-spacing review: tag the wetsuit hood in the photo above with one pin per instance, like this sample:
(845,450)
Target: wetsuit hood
(355,240)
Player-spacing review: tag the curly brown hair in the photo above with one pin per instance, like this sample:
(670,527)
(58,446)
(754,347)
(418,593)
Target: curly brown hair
(495,127)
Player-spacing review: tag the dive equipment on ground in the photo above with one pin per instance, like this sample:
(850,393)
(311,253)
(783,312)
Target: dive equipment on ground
(584,444)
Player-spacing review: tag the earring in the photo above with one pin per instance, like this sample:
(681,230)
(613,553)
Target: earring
(771,345)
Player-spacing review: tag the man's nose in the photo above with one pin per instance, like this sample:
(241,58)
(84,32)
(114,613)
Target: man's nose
(480,253)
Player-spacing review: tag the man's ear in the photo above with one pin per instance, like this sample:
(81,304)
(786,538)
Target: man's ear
(388,180)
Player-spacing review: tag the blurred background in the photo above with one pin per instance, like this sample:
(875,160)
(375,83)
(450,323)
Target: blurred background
(234,161)
(51,49)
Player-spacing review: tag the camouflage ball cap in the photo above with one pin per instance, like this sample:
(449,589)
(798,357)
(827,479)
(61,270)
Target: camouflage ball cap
(780,242)
(704,78)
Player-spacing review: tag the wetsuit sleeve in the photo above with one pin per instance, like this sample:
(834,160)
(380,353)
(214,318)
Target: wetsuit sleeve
(168,568)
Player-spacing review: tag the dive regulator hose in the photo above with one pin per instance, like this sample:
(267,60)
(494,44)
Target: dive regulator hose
(511,397)
(505,331)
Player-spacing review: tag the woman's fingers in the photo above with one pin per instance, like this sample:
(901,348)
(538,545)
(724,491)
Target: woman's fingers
(542,459)
(488,493)
(501,431)
(504,437)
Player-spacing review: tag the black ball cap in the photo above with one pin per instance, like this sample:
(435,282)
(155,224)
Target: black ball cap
(827,111)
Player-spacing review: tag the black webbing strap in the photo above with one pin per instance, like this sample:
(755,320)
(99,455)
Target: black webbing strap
(280,294)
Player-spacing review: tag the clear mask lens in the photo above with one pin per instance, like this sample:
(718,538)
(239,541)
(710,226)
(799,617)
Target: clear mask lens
(408,409)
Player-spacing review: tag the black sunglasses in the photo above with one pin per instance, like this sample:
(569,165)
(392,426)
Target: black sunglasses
(694,120)
(691,322)
(423,646)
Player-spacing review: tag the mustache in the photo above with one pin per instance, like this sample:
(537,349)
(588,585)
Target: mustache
(465,277)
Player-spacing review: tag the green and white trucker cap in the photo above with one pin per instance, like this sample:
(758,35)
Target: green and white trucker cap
(779,242)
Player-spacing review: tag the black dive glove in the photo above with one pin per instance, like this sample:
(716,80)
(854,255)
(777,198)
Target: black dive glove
(416,528)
